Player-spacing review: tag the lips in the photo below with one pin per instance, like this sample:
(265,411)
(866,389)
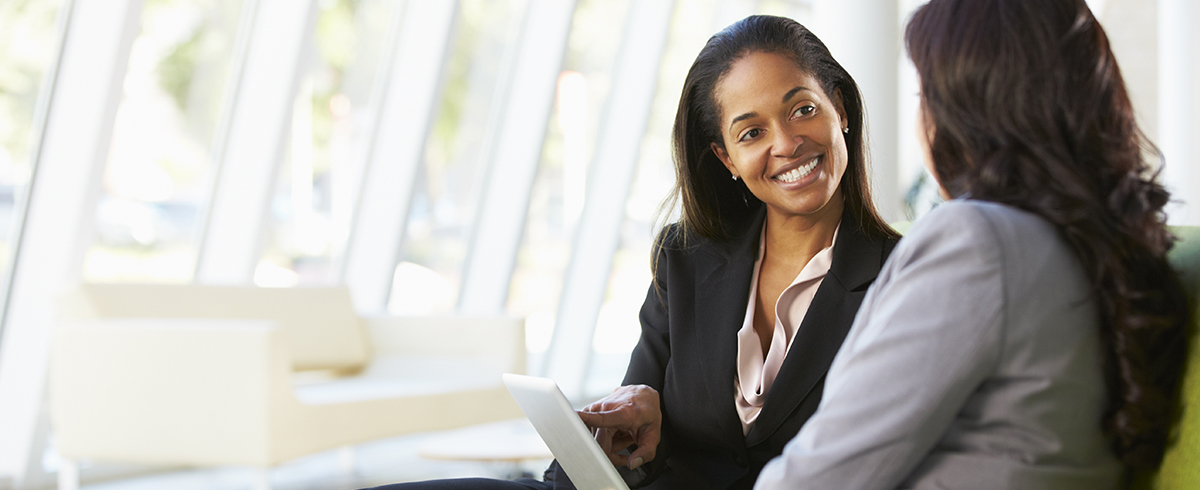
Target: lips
(798,172)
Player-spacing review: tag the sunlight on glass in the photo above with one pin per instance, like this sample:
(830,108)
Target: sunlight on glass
(268,275)
(27,48)
(156,181)
(449,183)
(420,291)
(333,112)
(559,190)
(572,115)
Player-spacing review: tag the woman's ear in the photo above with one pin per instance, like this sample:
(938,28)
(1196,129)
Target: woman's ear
(840,107)
(925,133)
(723,156)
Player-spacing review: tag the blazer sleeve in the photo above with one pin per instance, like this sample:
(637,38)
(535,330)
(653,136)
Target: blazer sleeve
(928,333)
(647,363)
(650,358)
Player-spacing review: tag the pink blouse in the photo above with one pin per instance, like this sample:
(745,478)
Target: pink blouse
(755,374)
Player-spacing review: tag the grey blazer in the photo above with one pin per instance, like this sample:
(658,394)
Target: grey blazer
(974,363)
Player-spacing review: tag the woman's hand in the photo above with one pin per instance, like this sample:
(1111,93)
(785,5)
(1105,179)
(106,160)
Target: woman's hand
(630,415)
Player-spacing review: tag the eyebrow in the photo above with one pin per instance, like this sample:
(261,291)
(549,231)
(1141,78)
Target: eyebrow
(793,91)
(742,117)
(786,97)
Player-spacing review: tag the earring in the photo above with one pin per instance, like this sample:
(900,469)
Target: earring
(846,130)
(735,178)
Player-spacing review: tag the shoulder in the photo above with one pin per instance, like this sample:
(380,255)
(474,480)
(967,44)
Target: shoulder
(957,241)
(1028,251)
(979,224)
(673,248)
(673,240)
(678,241)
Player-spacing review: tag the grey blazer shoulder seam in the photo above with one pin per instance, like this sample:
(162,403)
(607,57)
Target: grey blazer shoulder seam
(1005,302)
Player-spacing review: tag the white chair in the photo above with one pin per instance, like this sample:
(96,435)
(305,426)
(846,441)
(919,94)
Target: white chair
(213,375)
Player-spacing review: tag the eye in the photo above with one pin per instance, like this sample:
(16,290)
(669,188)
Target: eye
(804,110)
(751,134)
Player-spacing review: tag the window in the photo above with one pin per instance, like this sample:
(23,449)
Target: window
(157,181)
(316,191)
(28,49)
(560,188)
(445,198)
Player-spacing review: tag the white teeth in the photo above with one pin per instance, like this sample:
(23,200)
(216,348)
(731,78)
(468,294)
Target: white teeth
(798,172)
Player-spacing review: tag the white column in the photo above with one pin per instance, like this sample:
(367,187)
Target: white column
(248,164)
(60,212)
(597,237)
(864,36)
(409,92)
(501,220)
(68,475)
(1177,102)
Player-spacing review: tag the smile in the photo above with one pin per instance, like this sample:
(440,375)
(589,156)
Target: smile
(798,172)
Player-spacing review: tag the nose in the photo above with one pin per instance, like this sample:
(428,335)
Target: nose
(786,143)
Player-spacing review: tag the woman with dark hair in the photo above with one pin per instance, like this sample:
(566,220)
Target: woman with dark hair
(1030,333)
(756,285)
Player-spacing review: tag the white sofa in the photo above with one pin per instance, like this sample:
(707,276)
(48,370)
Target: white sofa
(215,375)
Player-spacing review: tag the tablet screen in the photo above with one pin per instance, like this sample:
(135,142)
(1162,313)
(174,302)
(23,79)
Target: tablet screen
(564,433)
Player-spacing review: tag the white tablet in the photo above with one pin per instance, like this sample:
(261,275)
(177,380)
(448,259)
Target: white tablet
(564,433)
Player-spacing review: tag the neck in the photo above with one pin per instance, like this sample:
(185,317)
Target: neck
(795,239)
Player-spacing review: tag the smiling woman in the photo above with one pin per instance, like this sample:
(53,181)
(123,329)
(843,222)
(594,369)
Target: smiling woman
(740,324)
(790,151)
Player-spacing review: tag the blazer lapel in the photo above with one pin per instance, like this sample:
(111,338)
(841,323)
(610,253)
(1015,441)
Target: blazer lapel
(856,262)
(723,274)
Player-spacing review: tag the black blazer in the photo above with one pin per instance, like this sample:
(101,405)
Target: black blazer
(688,352)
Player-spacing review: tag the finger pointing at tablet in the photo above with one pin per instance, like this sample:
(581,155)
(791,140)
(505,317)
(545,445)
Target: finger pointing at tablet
(630,415)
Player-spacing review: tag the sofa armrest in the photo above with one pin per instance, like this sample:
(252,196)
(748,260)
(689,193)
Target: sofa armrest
(144,389)
(500,340)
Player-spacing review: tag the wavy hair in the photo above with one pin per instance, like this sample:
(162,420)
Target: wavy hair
(713,205)
(1026,106)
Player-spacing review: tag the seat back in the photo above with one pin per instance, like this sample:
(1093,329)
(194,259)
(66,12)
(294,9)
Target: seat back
(319,325)
(1180,469)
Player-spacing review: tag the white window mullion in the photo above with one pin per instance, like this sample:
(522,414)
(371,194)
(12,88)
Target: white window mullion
(864,36)
(257,130)
(1177,56)
(60,210)
(499,225)
(409,89)
(617,150)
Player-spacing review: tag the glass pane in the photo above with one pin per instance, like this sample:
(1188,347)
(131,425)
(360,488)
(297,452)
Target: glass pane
(315,194)
(157,179)
(560,187)
(446,194)
(28,47)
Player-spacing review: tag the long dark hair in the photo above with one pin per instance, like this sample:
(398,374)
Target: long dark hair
(713,205)
(1027,107)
